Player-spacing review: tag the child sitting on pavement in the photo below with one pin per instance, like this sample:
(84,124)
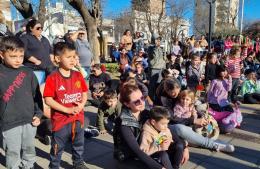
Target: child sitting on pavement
(108,110)
(195,75)
(250,88)
(156,137)
(220,107)
(140,74)
(185,112)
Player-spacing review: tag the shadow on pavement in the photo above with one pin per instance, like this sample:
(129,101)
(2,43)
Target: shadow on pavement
(43,154)
(223,163)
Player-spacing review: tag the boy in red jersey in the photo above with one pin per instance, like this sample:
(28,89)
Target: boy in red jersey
(66,93)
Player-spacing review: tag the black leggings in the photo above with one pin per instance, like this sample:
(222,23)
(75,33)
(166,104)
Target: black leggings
(172,158)
(252,98)
(162,157)
(175,150)
(44,129)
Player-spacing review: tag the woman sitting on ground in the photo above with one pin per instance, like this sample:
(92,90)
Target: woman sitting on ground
(128,129)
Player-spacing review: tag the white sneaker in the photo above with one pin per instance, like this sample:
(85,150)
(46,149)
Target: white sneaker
(91,132)
(228,148)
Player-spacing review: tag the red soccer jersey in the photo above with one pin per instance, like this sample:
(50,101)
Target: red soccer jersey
(66,91)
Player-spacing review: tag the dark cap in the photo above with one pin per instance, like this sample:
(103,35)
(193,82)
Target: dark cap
(249,71)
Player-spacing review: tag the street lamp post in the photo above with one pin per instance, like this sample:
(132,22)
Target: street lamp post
(242,17)
(211,2)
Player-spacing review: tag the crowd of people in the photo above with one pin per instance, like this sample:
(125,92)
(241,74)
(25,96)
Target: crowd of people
(163,102)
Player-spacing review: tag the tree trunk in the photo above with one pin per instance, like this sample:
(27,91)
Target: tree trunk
(42,12)
(23,7)
(90,18)
(93,40)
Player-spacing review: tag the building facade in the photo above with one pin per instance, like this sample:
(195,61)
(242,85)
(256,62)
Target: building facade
(225,14)
(150,16)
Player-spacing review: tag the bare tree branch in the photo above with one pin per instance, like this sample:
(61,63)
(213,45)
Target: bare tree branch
(42,12)
(91,19)
(23,7)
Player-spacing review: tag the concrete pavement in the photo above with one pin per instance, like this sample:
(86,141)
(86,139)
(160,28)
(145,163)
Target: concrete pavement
(99,151)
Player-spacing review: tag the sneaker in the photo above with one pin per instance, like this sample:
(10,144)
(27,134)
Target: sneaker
(228,148)
(80,166)
(91,132)
(45,140)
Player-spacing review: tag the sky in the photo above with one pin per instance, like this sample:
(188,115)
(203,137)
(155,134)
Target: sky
(251,8)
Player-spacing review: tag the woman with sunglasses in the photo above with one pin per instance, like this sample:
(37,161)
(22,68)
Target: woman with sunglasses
(37,56)
(37,50)
(127,131)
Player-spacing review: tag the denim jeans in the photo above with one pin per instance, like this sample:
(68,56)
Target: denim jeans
(130,55)
(17,139)
(61,138)
(192,137)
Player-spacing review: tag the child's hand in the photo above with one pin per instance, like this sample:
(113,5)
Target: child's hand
(103,132)
(71,110)
(145,150)
(79,107)
(165,145)
(36,121)
(200,121)
(100,94)
(202,77)
(186,156)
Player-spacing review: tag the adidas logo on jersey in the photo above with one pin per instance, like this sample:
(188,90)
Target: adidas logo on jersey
(61,88)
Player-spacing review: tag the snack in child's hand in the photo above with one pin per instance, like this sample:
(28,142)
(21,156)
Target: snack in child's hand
(160,139)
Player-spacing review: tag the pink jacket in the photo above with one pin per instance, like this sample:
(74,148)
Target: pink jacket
(228,44)
(184,112)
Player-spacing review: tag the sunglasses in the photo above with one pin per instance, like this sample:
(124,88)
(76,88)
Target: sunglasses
(138,101)
(39,28)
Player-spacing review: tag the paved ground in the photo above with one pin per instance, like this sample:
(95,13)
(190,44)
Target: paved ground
(99,151)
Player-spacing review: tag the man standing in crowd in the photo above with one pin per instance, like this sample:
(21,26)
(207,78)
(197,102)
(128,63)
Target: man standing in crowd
(156,60)
(83,49)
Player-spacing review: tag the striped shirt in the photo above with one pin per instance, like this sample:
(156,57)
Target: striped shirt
(234,67)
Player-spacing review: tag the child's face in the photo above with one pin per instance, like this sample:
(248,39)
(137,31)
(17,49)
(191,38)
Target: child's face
(140,53)
(174,93)
(139,68)
(250,58)
(111,102)
(160,125)
(13,58)
(123,51)
(251,76)
(196,61)
(186,101)
(173,58)
(223,74)
(213,60)
(77,60)
(67,60)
